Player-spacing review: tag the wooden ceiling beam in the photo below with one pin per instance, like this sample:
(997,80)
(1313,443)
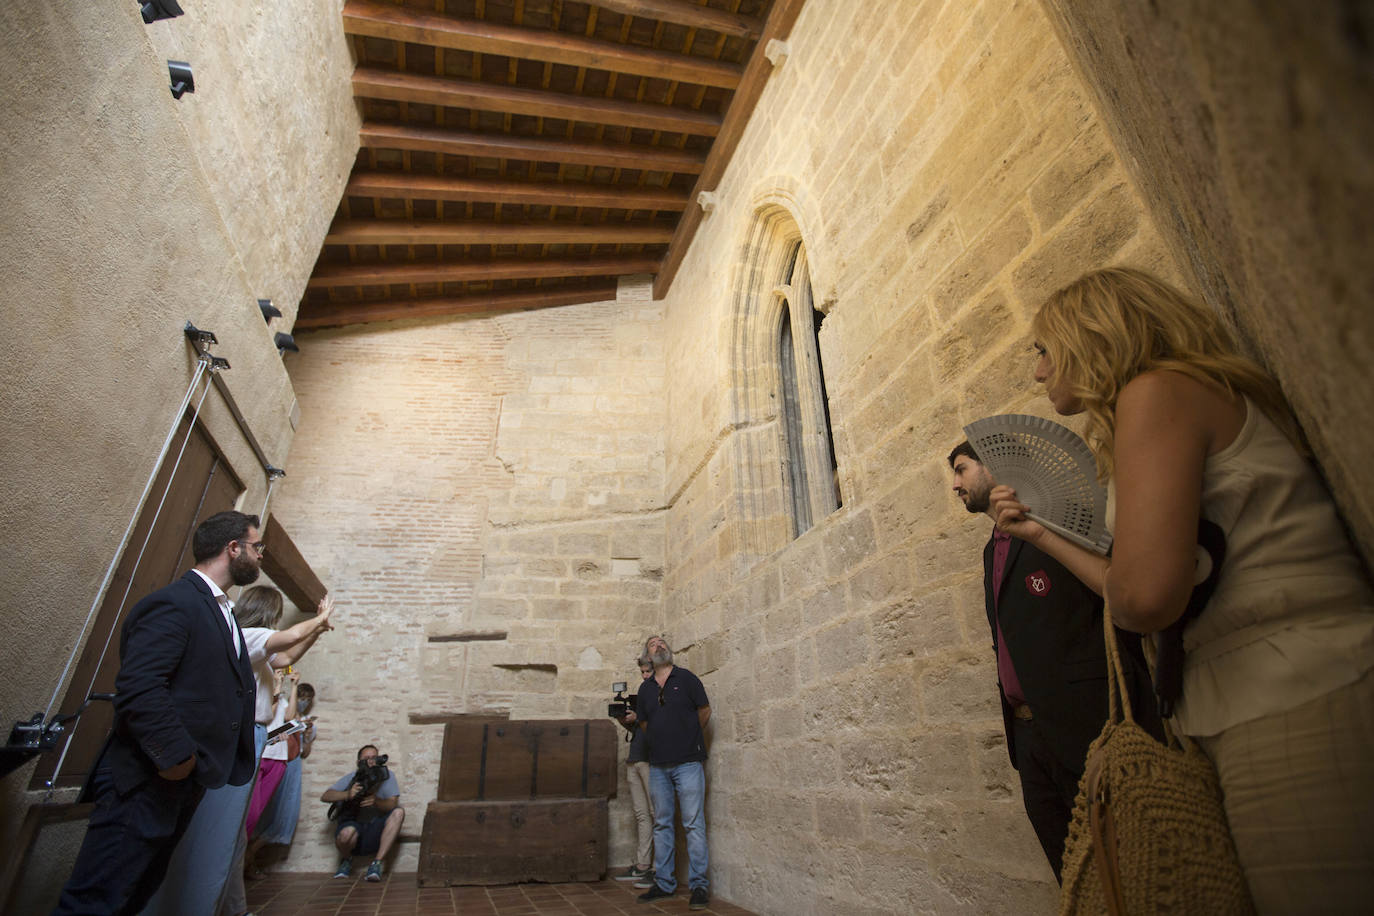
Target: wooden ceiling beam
(385,273)
(516,300)
(781,17)
(376,83)
(411,186)
(398,23)
(415,232)
(380,135)
(686,13)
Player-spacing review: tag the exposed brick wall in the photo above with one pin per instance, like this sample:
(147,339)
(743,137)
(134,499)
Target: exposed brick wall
(499,477)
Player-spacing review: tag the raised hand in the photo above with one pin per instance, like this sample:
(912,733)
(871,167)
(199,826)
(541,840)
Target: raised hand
(1010,514)
(326,608)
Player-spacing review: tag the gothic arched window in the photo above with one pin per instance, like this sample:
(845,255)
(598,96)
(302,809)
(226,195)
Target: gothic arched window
(808,447)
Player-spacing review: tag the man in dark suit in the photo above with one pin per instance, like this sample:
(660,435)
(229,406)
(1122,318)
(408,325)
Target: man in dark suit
(1051,664)
(183,722)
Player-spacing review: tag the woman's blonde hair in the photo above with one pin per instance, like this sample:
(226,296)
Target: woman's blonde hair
(259,606)
(1108,326)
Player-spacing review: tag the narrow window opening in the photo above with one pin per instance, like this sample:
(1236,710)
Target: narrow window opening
(811,473)
(817,318)
(794,434)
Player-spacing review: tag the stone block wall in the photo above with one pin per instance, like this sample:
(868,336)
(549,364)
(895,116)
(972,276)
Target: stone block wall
(483,497)
(946,169)
(1247,129)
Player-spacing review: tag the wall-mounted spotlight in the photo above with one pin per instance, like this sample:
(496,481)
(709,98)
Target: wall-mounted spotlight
(154,10)
(269,311)
(285,342)
(182,81)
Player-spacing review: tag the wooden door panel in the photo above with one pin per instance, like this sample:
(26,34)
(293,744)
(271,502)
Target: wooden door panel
(202,485)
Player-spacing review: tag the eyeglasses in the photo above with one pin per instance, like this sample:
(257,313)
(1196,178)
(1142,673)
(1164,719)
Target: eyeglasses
(660,696)
(259,547)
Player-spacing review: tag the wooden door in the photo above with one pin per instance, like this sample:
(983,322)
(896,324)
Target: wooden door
(202,485)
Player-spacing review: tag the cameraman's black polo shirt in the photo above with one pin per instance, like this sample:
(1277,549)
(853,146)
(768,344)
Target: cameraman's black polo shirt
(674,729)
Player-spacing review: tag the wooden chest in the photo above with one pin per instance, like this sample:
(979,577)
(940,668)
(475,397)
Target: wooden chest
(500,759)
(506,842)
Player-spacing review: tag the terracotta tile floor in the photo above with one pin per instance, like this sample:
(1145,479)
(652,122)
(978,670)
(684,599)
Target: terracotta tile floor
(293,894)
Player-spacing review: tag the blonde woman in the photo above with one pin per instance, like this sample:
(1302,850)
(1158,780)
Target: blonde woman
(1277,683)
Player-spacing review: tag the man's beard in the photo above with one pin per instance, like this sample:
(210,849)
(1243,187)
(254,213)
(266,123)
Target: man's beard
(242,570)
(978,500)
(663,657)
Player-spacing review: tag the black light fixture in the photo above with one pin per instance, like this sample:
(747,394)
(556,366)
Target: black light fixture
(154,10)
(269,311)
(182,80)
(285,342)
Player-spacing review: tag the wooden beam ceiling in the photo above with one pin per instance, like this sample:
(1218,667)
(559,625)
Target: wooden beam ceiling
(376,135)
(691,14)
(439,306)
(382,20)
(543,146)
(386,273)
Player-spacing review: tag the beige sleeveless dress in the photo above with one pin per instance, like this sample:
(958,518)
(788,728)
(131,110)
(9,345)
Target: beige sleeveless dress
(1277,684)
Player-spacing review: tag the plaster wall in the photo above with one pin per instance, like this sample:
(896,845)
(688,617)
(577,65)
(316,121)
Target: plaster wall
(115,234)
(1246,127)
(483,498)
(946,169)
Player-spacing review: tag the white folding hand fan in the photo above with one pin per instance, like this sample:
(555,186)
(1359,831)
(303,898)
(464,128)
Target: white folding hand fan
(1052,471)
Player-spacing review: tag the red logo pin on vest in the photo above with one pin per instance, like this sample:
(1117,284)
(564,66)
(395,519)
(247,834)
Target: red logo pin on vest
(1038,583)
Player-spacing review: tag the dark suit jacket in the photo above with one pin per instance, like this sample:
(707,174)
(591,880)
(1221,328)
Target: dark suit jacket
(1053,626)
(181,690)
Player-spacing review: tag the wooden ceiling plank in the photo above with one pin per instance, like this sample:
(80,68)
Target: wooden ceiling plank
(383,20)
(379,135)
(404,232)
(359,312)
(376,83)
(781,18)
(386,273)
(687,13)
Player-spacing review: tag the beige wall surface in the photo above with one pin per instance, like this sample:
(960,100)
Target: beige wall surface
(498,477)
(273,125)
(114,236)
(1248,129)
(945,169)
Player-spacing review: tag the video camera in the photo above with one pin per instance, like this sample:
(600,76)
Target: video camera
(370,778)
(617,708)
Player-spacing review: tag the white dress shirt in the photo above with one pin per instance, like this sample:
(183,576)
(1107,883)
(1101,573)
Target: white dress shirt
(226,608)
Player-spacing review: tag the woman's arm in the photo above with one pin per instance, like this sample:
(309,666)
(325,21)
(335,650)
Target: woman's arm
(1166,426)
(290,644)
(1087,567)
(295,678)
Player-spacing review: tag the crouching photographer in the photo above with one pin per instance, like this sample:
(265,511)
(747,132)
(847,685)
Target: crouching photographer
(366,806)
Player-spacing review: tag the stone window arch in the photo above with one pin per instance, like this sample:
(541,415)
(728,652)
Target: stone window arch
(786,466)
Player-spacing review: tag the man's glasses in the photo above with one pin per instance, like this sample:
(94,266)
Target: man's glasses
(660,696)
(258,547)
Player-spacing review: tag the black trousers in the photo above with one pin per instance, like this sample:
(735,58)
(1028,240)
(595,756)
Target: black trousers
(1048,789)
(128,844)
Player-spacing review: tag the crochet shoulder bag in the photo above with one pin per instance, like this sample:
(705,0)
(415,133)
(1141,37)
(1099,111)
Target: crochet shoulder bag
(1149,833)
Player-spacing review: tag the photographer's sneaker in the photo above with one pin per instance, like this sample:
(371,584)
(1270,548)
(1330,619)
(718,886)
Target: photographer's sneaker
(646,881)
(345,868)
(700,899)
(654,893)
(634,873)
(374,871)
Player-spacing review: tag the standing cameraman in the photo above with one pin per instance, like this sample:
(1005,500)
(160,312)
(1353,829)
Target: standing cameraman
(370,813)
(673,710)
(637,769)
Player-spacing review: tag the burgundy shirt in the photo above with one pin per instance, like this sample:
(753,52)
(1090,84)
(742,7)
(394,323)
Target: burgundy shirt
(1011,685)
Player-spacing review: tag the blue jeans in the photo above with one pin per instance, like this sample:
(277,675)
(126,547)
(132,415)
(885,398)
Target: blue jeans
(688,782)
